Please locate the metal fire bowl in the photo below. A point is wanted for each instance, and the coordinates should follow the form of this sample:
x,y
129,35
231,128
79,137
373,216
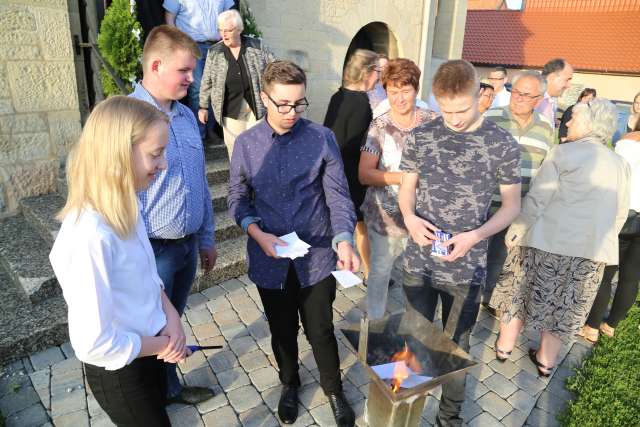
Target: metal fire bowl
x,y
440,357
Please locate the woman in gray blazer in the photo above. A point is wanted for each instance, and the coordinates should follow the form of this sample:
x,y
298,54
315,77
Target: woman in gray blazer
x,y
564,237
231,80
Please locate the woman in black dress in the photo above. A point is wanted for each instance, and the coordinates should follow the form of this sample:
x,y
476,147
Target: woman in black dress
x,y
349,117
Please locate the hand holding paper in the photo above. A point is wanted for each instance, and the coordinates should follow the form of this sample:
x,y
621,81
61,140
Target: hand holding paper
x,y
295,247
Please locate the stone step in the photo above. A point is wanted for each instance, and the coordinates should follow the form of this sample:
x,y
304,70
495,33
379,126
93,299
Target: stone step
x,y
24,255
219,193
40,212
27,328
231,263
217,171
215,152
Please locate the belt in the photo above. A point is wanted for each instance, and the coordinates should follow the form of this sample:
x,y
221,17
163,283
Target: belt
x,y
172,241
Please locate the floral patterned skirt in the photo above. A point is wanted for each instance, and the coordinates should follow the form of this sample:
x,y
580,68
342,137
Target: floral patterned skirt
x,y
549,292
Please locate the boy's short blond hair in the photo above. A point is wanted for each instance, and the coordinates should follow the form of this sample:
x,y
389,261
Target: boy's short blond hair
x,y
165,39
455,78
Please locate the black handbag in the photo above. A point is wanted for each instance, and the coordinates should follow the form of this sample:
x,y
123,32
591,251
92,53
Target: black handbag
x,y
631,227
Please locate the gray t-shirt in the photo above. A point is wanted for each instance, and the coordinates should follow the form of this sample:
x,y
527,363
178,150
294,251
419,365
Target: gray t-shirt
x,y
458,173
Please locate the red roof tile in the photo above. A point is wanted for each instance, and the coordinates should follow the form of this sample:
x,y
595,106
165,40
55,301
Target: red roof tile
x,y
590,41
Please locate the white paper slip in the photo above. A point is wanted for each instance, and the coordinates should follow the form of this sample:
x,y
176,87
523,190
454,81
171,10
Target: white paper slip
x,y
414,381
295,247
385,372
346,278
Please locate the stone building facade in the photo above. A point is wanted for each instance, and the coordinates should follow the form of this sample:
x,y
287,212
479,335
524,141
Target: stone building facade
x,y
39,111
319,34
43,84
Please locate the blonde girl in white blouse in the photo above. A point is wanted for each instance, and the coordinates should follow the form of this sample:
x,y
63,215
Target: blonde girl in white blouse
x,y
121,324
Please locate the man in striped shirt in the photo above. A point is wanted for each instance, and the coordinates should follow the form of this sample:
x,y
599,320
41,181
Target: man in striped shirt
x,y
534,133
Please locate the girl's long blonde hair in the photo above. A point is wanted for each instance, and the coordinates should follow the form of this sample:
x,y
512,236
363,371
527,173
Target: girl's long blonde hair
x,y
358,67
100,166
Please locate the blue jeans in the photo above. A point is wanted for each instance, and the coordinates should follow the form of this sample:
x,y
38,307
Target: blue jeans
x,y
193,93
384,252
177,262
423,298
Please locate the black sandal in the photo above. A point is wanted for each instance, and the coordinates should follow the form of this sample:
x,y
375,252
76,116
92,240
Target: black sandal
x,y
501,355
543,371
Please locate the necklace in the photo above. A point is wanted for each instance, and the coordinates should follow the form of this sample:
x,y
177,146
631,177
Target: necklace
x,y
411,121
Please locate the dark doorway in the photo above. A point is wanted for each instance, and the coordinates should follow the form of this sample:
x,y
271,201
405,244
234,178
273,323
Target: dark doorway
x,y
374,36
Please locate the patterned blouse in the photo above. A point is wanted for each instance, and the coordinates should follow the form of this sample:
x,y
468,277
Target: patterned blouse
x,y
386,140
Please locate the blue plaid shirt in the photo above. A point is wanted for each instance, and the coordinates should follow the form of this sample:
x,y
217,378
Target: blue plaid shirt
x,y
178,202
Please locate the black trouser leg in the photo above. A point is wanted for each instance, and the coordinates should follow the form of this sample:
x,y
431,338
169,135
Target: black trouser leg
x,y
628,279
316,309
133,395
627,289
281,309
423,297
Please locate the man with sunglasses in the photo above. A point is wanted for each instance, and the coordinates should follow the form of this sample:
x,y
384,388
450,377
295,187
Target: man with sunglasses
x,y
286,176
534,134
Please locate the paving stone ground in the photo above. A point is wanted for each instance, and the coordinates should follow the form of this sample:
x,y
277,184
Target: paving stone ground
x,y
48,388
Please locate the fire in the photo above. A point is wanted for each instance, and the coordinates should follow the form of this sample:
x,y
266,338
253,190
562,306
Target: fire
x,y
401,370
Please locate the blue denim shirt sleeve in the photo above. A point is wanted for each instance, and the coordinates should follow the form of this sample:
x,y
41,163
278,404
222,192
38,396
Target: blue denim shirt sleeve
x,y
247,221
342,237
239,198
341,210
171,6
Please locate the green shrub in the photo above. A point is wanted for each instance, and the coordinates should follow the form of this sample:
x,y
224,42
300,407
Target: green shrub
x,y
607,387
119,42
249,21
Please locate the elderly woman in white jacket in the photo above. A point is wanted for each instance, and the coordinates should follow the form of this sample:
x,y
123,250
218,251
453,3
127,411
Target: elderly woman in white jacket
x,y
564,237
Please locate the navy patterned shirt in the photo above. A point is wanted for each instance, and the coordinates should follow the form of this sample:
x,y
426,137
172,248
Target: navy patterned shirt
x,y
291,182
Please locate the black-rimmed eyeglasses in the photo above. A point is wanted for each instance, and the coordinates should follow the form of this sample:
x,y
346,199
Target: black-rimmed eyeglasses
x,y
527,96
299,107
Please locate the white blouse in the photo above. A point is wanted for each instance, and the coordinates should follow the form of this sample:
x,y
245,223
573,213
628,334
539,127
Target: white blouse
x,y
630,151
111,287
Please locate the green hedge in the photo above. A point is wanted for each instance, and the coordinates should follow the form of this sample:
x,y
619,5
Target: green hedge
x,y
607,387
119,42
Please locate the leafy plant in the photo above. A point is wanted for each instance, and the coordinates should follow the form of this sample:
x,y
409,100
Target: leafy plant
x,y
249,21
120,44
607,385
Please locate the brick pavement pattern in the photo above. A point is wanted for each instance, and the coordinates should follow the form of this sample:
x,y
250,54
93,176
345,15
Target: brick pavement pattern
x,y
48,388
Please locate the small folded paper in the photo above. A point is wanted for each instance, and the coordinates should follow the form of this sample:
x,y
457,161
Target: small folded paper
x,y
385,372
295,247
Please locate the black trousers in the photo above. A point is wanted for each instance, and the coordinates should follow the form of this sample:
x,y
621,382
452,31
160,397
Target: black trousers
x,y
627,289
131,396
314,305
423,297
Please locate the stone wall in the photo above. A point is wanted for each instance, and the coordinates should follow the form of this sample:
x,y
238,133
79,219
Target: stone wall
x,y
39,112
316,34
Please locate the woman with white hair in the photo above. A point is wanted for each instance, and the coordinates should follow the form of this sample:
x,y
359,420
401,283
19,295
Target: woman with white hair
x,y
231,80
564,237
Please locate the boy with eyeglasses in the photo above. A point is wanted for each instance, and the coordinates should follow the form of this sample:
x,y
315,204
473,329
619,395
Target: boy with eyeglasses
x,y
286,176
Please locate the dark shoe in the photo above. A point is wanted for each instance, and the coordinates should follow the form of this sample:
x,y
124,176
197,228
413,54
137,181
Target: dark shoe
x,y
501,355
344,415
543,371
192,395
288,405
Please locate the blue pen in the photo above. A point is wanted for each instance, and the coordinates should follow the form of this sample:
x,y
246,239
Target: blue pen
x,y
195,348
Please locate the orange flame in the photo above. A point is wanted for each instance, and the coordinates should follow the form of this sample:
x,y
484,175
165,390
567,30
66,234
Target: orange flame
x,y
401,370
